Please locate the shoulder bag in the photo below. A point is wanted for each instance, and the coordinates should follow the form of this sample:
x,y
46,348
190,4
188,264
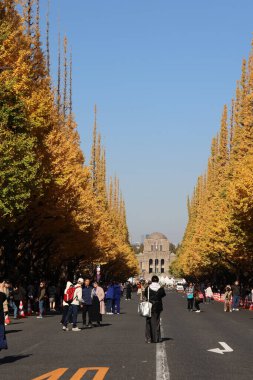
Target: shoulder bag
x,y
145,307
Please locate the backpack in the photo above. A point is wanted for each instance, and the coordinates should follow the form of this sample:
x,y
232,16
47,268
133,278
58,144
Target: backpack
x,y
69,295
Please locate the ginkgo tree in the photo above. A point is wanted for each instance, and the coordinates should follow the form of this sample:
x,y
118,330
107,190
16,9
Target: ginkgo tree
x,y
56,210
219,234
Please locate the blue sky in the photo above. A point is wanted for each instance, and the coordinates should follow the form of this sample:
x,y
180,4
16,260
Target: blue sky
x,y
160,72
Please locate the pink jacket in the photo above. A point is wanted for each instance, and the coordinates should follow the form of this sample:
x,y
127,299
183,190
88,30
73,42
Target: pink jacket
x,y
101,295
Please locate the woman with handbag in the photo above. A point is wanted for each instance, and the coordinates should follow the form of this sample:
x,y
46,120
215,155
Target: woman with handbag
x,y
154,294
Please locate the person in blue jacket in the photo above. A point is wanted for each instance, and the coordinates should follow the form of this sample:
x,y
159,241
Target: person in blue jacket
x,y
116,300
109,297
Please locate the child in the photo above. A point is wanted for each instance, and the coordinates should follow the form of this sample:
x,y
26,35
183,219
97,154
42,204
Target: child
x,y
228,298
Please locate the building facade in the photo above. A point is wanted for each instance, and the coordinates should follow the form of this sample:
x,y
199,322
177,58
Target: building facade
x,y
156,257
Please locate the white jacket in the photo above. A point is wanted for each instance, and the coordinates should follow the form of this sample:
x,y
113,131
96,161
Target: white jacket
x,y
209,292
78,295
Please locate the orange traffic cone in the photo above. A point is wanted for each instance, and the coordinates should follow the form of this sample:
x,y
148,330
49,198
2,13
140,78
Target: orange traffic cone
x,y
21,310
251,307
7,319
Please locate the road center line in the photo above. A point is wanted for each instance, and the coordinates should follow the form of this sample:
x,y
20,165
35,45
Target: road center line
x,y
162,368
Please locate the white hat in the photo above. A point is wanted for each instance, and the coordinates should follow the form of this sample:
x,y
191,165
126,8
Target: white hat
x,y
80,280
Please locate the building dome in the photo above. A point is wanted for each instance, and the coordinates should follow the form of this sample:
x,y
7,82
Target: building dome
x,y
157,236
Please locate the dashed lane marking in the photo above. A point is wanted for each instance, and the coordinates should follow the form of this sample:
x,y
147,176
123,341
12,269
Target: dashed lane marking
x,y
162,367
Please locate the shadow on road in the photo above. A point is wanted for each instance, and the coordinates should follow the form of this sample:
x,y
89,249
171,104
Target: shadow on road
x,y
166,339
96,327
16,323
12,359
12,331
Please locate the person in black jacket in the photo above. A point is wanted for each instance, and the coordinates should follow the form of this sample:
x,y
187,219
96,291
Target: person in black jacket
x,y
3,341
154,293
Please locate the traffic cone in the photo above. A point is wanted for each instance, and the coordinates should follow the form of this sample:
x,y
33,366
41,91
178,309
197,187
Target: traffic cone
x,y
21,310
251,307
7,319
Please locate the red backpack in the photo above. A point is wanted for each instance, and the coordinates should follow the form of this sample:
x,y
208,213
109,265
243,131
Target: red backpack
x,y
69,295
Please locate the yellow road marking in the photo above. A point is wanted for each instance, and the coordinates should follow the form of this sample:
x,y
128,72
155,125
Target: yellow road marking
x,y
58,373
54,375
100,373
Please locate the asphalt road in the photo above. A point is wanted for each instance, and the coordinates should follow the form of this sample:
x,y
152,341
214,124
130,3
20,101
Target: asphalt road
x,y
118,350
193,334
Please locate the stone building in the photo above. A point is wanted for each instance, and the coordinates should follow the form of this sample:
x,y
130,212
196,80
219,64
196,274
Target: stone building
x,y
156,257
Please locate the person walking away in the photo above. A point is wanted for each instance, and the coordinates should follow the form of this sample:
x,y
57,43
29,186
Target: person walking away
x,y
227,299
128,291
6,306
209,293
139,290
51,295
73,307
236,296
116,298
122,289
87,302
16,299
31,296
12,304
154,293
109,296
197,299
202,289
190,296
98,306
65,304
41,299
3,341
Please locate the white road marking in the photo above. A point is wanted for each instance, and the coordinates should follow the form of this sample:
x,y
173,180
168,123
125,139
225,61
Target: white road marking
x,y
162,368
219,351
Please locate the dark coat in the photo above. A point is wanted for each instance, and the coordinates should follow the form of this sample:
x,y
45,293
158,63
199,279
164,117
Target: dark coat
x,y
87,299
155,297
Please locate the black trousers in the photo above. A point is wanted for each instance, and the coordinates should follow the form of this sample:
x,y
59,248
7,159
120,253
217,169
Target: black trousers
x,y
64,313
87,309
190,303
153,332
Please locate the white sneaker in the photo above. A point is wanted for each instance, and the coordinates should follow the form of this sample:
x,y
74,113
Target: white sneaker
x,y
65,328
76,329
197,311
39,317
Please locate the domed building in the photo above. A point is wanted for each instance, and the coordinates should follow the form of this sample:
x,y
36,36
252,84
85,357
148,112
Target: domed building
x,y
156,257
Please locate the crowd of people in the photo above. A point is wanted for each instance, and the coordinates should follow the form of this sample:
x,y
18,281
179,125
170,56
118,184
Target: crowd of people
x,y
94,301
43,297
204,293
